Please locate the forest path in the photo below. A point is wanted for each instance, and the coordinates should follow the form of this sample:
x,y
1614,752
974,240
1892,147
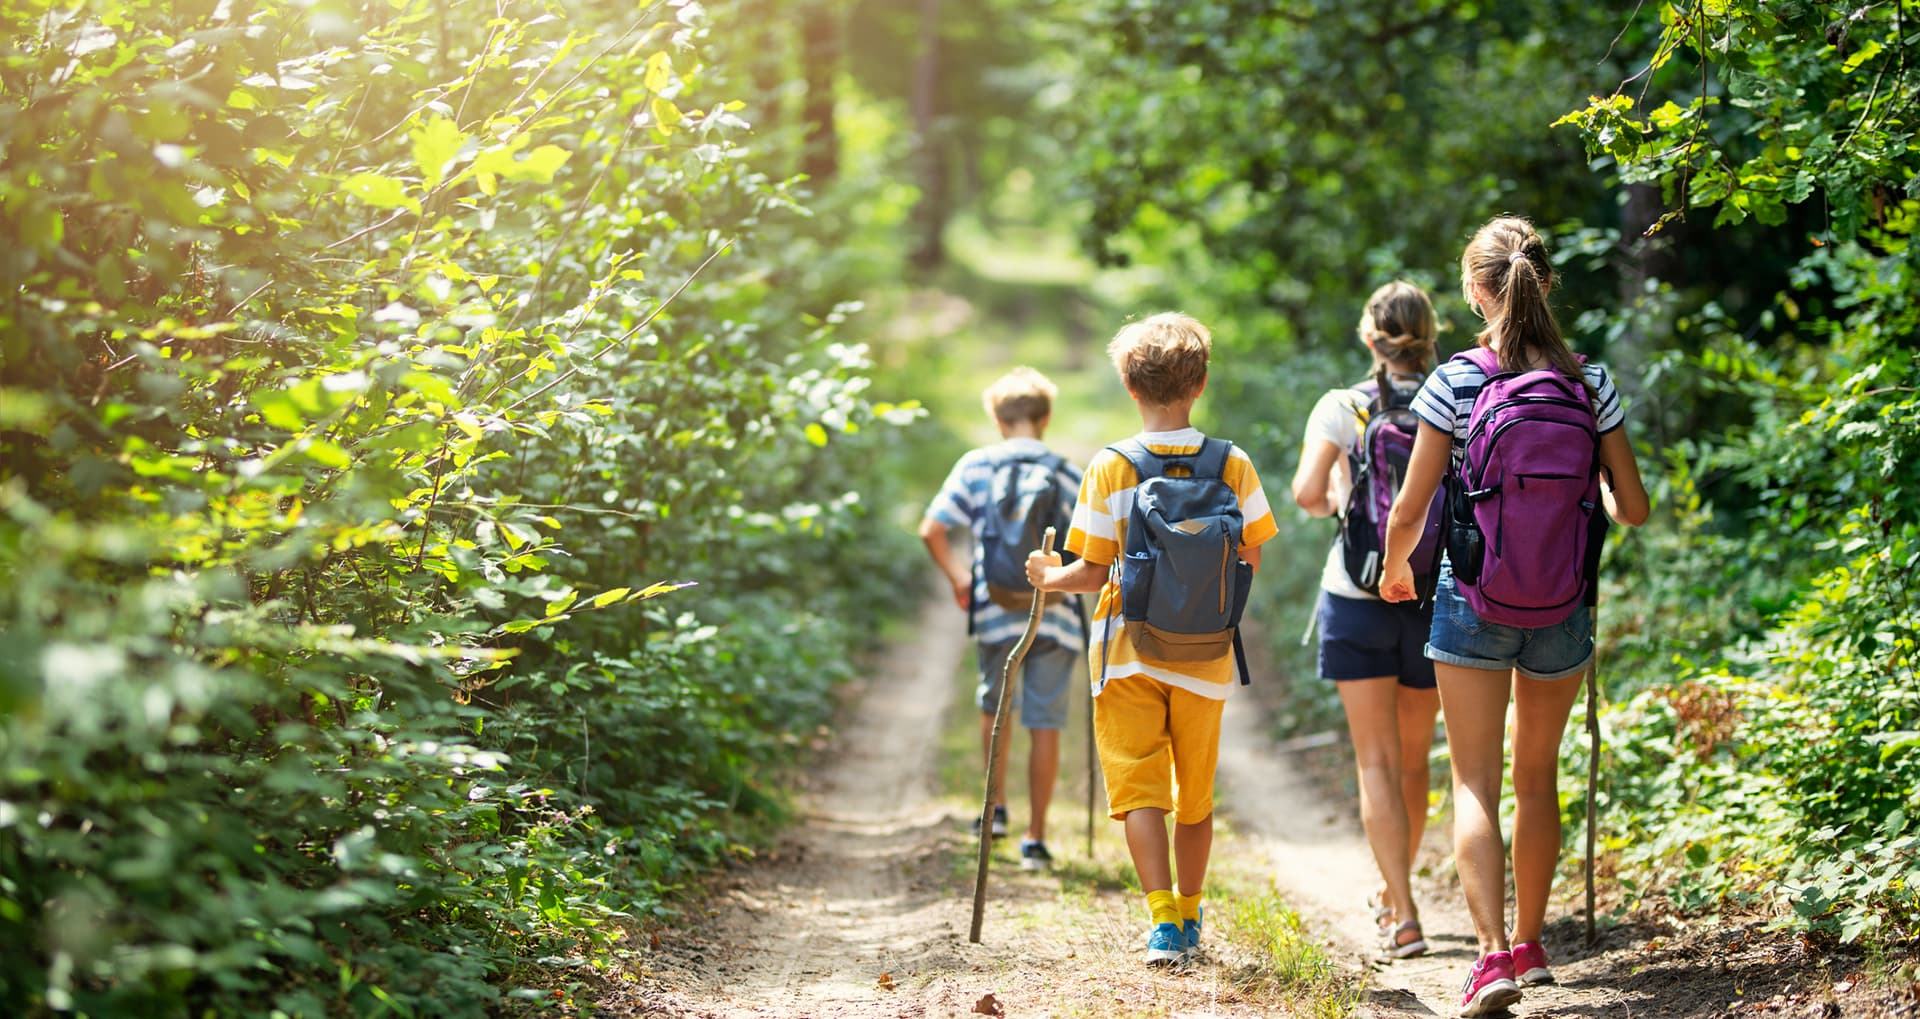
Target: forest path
x,y
862,908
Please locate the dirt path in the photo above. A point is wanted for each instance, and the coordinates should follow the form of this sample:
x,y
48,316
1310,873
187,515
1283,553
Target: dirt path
x,y
862,910
853,893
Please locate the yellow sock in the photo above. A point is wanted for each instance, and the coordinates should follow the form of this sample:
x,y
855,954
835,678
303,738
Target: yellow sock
x,y
1189,904
1161,904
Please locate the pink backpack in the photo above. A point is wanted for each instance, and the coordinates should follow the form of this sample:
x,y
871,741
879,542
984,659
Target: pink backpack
x,y
1525,523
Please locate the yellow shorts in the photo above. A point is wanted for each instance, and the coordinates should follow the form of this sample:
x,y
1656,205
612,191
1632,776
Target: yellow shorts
x,y
1158,747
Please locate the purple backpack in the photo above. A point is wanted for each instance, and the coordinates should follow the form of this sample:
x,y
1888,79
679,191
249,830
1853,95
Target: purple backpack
x,y
1524,524
1378,466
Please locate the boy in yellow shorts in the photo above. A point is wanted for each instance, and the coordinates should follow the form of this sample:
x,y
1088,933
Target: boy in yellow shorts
x,y
1157,702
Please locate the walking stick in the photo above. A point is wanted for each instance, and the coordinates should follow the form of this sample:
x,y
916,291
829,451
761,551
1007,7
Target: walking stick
x,y
1014,658
1593,769
1093,772
1596,547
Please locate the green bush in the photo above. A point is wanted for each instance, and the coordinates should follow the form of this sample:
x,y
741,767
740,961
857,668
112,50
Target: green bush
x,y
374,380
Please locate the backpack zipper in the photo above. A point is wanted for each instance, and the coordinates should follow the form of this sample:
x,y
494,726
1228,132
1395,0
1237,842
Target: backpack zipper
x,y
1226,563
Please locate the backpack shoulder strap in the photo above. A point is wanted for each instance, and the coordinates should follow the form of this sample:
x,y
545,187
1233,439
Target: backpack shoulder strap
x,y
1146,463
1211,461
1482,358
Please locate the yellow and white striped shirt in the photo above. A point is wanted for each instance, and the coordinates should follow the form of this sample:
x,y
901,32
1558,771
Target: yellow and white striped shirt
x,y
1099,536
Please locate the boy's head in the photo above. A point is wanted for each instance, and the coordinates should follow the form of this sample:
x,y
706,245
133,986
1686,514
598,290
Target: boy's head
x,y
1020,400
1162,358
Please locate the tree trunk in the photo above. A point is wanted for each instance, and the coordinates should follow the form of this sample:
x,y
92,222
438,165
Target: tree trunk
x,y
930,215
820,62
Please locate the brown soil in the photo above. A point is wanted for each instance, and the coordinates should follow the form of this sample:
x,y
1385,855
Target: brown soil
x,y
863,908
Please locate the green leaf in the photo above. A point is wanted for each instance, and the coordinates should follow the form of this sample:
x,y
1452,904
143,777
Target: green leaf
x,y
538,166
327,454
655,590
605,598
816,434
1860,56
435,144
379,192
659,72
666,116
278,409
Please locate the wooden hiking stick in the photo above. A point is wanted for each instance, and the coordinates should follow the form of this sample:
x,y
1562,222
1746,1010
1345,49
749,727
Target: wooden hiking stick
x,y
1093,772
1593,766
1014,658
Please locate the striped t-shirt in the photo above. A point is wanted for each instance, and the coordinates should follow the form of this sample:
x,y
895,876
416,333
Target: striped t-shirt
x,y
1099,535
962,502
1445,401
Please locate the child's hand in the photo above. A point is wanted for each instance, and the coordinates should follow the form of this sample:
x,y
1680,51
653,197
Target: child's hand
x,y
962,592
1396,584
1038,563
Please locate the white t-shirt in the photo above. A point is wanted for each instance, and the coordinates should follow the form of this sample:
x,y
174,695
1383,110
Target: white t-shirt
x,y
1336,419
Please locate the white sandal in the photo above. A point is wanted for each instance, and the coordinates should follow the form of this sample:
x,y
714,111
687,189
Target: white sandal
x,y
1391,946
1381,911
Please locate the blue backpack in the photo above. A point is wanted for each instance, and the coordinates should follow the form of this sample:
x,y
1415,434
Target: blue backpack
x,y
1023,500
1183,584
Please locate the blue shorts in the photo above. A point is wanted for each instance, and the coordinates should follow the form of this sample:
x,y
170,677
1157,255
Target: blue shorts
x,y
1361,638
1045,677
1538,652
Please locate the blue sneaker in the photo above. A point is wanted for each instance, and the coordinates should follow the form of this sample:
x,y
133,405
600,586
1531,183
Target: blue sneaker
x,y
1166,945
1192,931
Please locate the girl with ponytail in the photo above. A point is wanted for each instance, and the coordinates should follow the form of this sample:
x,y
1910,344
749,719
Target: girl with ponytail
x,y
1370,649
1479,663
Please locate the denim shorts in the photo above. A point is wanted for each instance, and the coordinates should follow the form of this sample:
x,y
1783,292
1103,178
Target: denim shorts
x,y
1539,652
1361,638
1046,675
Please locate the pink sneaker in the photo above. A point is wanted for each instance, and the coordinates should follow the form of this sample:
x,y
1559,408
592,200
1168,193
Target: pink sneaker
x,y
1490,988
1530,961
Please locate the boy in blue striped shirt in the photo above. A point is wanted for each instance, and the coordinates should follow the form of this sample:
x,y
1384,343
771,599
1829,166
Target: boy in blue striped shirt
x,y
1021,405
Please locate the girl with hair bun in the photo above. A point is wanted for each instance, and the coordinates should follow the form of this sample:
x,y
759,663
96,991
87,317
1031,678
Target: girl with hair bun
x,y
1372,650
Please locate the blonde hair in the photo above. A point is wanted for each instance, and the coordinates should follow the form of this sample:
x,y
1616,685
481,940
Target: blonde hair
x,y
1508,260
1162,358
1021,395
1399,326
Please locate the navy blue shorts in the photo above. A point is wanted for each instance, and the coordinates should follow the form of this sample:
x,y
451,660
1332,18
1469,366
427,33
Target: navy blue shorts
x,y
1367,639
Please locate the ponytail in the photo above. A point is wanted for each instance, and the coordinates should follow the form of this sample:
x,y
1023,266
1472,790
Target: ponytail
x,y
1507,259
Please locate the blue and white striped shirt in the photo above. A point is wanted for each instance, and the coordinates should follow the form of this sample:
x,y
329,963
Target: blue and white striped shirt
x,y
1445,400
962,502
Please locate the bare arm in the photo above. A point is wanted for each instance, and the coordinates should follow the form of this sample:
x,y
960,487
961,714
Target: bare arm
x,y
1312,482
934,534
1621,488
1432,448
1045,573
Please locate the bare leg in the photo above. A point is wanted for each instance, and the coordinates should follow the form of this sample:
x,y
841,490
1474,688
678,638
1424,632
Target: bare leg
x,y
1475,703
1540,708
1043,766
1147,844
1373,722
1192,846
1418,709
